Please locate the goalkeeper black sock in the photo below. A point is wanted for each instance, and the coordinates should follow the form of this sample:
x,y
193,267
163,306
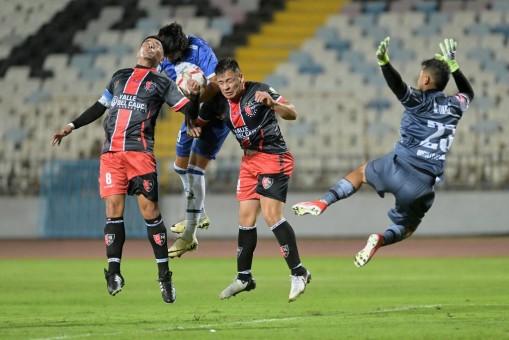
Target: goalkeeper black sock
x,y
157,236
246,245
114,237
288,244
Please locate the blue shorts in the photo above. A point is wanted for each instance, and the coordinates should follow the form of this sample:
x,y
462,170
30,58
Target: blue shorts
x,y
413,189
208,145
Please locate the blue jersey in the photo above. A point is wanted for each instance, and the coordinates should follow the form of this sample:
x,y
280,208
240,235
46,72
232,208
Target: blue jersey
x,y
198,53
428,126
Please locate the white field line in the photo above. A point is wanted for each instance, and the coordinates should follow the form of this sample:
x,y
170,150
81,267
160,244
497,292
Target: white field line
x,y
214,327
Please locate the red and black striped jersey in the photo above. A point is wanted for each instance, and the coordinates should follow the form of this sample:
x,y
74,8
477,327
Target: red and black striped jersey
x,y
254,125
134,97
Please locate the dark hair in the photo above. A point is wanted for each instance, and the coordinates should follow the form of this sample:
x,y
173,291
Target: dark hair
x,y
227,64
439,72
165,48
175,39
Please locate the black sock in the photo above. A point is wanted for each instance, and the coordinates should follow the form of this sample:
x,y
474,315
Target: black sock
x,y
114,238
246,244
286,238
157,236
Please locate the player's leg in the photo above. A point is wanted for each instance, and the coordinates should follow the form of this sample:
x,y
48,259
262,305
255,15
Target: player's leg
x,y
143,183
274,173
344,188
114,238
203,150
157,236
414,195
113,185
246,245
272,210
183,150
195,214
249,209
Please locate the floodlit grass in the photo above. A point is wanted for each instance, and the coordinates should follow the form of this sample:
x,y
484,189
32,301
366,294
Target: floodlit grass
x,y
390,298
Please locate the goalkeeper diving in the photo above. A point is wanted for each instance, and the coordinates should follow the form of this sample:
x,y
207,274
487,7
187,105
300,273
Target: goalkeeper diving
x,y
417,161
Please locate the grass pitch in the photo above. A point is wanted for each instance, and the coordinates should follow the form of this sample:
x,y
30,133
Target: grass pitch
x,y
440,298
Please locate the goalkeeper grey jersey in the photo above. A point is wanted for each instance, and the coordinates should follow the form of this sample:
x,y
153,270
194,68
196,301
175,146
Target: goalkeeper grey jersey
x,y
428,126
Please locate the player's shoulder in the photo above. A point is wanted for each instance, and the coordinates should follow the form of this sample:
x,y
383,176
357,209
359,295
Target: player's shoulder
x,y
160,77
256,86
196,42
123,71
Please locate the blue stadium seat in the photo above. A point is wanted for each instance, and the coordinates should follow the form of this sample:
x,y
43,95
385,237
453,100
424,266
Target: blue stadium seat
x,y
374,7
426,6
277,81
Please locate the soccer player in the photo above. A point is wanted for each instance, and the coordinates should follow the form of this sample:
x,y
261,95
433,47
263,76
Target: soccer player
x,y
134,97
412,168
193,155
250,111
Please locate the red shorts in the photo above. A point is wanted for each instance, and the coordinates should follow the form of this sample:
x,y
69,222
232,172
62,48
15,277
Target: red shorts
x,y
118,168
264,174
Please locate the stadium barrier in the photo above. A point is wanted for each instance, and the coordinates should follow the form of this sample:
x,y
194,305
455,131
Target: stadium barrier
x,y
70,205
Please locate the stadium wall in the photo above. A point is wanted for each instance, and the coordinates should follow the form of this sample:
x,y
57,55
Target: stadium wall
x,y
470,213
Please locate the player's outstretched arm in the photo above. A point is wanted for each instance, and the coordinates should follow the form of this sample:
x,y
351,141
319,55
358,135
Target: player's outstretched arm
x,y
392,77
91,114
448,49
382,53
58,136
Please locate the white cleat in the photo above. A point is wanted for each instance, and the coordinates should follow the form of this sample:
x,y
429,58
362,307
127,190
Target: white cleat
x,y
314,208
236,287
182,246
375,241
298,285
179,227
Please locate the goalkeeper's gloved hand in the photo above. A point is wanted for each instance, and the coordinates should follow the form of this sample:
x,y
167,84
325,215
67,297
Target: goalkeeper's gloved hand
x,y
448,48
381,52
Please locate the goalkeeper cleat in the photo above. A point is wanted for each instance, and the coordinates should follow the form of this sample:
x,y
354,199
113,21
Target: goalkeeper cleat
x,y
179,227
167,288
238,286
114,282
298,285
181,246
375,241
313,208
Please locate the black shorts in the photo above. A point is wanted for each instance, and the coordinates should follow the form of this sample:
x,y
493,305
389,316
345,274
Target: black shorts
x,y
145,185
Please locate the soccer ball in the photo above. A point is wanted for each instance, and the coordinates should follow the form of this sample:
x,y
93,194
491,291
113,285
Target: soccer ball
x,y
190,72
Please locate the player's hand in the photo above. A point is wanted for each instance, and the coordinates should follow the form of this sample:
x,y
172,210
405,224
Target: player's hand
x,y
192,130
57,137
193,86
264,98
382,52
448,48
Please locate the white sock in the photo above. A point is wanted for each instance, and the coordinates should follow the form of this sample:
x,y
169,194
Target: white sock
x,y
183,177
195,205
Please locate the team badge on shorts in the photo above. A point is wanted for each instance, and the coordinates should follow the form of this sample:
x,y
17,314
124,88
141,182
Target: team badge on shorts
x,y
285,250
109,238
267,182
160,239
148,185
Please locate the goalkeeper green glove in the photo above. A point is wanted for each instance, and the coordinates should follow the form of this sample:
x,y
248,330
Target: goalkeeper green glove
x,y
381,52
448,48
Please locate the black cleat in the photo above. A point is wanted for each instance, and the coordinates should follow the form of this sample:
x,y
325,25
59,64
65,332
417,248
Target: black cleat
x,y
114,282
167,288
